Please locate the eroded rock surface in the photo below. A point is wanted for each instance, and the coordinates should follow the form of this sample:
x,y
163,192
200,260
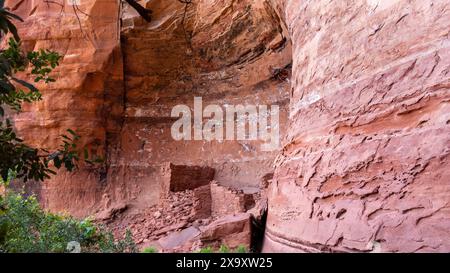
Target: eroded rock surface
x,y
121,76
228,53
365,166
85,97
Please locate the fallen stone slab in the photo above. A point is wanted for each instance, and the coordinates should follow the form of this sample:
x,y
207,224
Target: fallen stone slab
x,y
111,213
171,228
179,238
231,231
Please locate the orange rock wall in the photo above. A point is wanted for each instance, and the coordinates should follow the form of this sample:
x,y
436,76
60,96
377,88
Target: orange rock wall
x,y
86,96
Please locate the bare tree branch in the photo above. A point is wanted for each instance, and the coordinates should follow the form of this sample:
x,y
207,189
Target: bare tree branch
x,y
143,12
186,35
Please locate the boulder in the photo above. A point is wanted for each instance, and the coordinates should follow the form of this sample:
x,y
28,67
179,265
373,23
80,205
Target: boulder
x,y
110,213
231,231
179,238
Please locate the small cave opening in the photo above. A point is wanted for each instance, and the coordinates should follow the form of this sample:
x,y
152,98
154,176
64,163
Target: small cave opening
x,y
259,228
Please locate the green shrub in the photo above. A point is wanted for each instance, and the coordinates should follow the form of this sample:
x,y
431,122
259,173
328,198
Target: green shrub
x,y
26,227
108,244
241,249
206,250
224,249
150,249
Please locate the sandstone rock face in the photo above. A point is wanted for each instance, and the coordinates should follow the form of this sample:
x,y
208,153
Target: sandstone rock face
x,y
365,165
117,85
365,159
85,96
222,51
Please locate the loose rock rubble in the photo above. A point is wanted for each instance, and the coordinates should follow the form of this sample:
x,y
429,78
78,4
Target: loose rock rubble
x,y
186,221
155,222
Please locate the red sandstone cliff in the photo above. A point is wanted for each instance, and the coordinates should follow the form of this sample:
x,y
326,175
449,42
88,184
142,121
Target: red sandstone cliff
x,y
86,96
364,164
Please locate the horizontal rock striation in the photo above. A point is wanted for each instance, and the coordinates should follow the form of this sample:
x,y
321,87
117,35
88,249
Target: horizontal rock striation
x,y
86,96
228,53
121,76
365,166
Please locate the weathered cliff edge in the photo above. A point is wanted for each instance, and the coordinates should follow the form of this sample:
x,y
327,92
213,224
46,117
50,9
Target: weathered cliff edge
x,y
365,166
